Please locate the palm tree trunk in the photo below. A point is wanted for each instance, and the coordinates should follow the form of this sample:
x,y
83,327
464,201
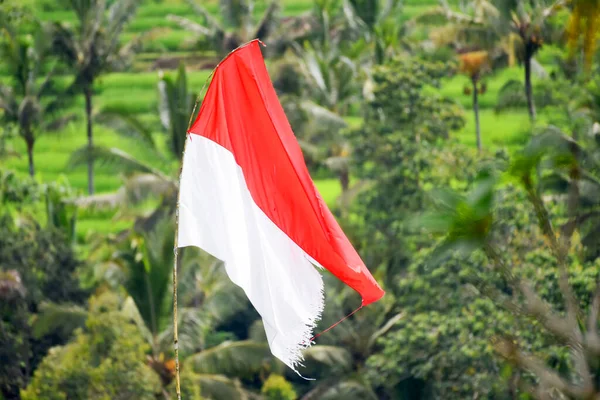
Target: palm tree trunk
x,y
528,88
344,177
476,111
30,156
88,112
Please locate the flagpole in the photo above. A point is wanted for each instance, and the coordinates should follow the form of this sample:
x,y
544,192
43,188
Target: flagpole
x,y
176,247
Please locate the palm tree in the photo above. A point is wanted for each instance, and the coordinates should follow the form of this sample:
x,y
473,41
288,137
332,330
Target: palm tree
x,y
506,25
472,64
236,26
376,22
331,85
176,104
93,47
28,104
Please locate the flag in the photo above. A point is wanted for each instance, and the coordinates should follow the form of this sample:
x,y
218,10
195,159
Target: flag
x,y
246,197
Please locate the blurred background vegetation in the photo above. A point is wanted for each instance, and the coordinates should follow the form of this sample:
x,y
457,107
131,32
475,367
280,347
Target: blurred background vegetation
x,y
456,141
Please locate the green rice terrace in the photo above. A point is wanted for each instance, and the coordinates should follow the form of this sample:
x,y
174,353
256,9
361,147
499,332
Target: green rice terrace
x,y
135,92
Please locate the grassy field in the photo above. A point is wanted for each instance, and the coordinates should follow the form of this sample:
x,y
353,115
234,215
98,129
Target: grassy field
x,y
136,93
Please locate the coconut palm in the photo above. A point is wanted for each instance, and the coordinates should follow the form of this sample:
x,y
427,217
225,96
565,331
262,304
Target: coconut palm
x,y
176,104
376,22
29,103
513,27
92,47
236,26
472,64
331,85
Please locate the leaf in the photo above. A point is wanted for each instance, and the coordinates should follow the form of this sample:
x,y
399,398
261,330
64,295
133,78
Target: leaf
x,y
230,358
215,386
349,390
189,25
385,328
511,95
331,356
268,22
112,158
323,118
131,311
61,318
127,125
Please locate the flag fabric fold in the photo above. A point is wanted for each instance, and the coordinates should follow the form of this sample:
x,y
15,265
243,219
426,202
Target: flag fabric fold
x,y
246,197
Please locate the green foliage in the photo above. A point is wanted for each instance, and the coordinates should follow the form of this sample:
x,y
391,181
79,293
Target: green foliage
x,y
190,385
394,149
104,361
454,306
45,261
277,388
14,328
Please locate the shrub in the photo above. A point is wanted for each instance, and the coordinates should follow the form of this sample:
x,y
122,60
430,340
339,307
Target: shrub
x,y
277,388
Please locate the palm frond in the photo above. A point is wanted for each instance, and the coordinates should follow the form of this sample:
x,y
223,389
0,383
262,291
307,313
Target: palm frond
x,y
213,24
113,158
64,43
256,332
236,13
214,386
58,318
230,358
127,125
331,356
309,149
101,201
131,311
349,390
119,14
338,163
59,123
511,95
141,187
347,197
190,25
322,117
149,270
269,21
382,331
193,328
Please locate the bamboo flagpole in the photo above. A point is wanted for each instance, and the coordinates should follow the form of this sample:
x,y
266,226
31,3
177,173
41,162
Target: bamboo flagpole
x,y
176,251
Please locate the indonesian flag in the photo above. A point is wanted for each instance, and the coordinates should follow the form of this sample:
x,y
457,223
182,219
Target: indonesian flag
x,y
246,197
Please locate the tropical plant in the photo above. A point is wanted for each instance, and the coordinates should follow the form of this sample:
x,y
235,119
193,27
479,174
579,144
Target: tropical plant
x,y
331,88
471,223
511,26
473,64
105,360
142,265
341,354
277,388
175,107
28,104
377,23
236,26
91,48
13,325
